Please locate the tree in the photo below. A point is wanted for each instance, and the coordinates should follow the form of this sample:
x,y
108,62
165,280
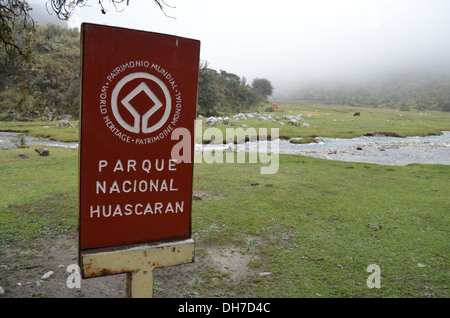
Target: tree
x,y
65,8
208,90
262,87
223,92
17,26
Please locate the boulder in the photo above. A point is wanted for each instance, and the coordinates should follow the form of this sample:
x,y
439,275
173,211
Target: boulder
x,y
299,117
240,116
293,122
253,115
212,121
266,118
227,121
65,123
232,148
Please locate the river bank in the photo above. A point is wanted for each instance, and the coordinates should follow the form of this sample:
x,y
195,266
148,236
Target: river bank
x,y
370,149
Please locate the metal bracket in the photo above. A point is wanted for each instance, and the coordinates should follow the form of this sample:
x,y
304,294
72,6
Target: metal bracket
x,y
137,261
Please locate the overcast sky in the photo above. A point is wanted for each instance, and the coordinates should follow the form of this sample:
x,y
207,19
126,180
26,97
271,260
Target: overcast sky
x,y
288,41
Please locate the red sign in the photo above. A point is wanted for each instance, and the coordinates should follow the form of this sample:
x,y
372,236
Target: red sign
x,y
138,90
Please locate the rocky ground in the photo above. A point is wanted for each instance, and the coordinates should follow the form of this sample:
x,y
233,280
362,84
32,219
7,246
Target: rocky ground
x,y
23,271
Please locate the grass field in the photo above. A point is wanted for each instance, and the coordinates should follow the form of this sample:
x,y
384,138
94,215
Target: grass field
x,y
321,223
314,227
326,121
339,122
43,129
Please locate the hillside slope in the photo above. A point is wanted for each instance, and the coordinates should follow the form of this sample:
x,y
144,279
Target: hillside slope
x,y
49,86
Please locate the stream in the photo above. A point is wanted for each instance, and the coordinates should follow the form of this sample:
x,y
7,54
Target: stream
x,y
375,149
9,140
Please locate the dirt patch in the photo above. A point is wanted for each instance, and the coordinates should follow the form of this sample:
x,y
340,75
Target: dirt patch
x,y
213,273
203,195
22,270
214,269
231,262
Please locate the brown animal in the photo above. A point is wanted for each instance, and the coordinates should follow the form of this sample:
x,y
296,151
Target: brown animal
x,y
357,114
274,106
42,152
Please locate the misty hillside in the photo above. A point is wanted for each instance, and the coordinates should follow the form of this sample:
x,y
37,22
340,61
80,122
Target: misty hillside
x,y
50,85
409,90
49,88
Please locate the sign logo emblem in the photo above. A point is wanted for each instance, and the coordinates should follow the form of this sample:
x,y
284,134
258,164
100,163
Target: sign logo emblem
x,y
140,106
140,122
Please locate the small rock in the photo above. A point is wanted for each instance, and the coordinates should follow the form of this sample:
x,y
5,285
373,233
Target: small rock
x,y
2,291
232,148
293,122
47,275
255,184
420,265
65,123
265,273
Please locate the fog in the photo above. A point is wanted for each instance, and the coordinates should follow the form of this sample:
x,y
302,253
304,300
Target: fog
x,y
42,16
297,42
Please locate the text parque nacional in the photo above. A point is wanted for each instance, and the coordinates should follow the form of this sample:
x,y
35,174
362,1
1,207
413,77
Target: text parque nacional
x,y
103,187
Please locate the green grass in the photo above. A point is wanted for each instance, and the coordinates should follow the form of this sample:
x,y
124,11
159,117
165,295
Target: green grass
x,y
321,223
316,228
38,195
44,129
339,122
326,121
315,225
